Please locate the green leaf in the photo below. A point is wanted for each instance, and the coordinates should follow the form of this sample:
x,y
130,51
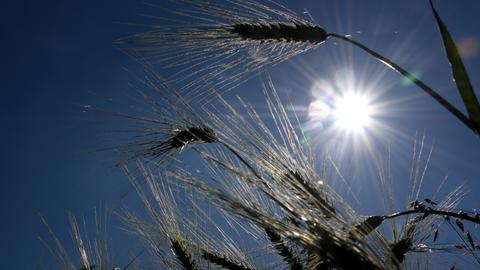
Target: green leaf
x,y
459,72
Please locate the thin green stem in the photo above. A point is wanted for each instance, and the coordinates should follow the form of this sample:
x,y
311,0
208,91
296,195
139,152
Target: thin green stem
x,y
462,216
447,105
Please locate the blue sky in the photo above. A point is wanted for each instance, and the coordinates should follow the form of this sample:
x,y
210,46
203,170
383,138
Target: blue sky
x,y
58,57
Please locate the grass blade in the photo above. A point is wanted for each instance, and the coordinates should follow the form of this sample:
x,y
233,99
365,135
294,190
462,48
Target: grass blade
x,y
475,127
459,72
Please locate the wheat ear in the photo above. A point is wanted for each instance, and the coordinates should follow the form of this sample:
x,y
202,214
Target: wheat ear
x,y
280,32
223,261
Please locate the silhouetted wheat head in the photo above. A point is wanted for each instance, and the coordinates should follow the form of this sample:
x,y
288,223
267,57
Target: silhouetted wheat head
x,y
92,251
221,43
168,129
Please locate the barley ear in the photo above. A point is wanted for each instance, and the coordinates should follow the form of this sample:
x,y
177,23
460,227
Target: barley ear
x,y
283,250
182,255
280,32
223,261
367,226
399,249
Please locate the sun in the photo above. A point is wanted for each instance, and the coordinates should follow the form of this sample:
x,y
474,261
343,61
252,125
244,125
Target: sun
x,y
352,112
346,106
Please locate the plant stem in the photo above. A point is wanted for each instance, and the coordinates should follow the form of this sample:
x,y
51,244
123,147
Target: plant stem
x,y
447,105
430,211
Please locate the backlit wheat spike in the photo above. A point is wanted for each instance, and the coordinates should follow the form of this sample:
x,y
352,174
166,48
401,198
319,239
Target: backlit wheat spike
x,y
174,235
220,44
176,142
283,249
280,32
93,253
222,261
172,126
182,255
418,229
163,233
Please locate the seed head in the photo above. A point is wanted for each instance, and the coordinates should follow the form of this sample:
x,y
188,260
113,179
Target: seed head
x,y
193,134
369,224
182,255
169,127
175,142
280,32
400,249
222,43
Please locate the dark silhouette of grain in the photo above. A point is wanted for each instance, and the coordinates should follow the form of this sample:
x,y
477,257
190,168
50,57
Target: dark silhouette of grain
x,y
182,255
223,261
191,134
280,32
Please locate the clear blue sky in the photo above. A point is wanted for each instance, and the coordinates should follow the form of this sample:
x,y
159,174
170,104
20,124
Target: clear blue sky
x,y
57,57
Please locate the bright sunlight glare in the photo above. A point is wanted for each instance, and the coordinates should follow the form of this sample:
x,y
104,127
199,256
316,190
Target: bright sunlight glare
x,y
352,112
